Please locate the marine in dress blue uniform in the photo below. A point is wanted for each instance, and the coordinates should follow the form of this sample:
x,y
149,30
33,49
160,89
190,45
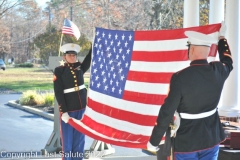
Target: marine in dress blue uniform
x,y
71,96
194,93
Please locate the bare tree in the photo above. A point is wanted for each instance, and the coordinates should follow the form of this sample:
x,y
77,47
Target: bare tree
x,y
4,37
24,22
6,5
164,14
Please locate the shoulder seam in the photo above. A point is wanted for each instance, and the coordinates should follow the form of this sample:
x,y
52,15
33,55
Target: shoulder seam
x,y
182,70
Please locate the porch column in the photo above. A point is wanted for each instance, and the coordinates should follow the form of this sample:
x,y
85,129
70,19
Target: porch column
x,y
229,105
216,11
191,13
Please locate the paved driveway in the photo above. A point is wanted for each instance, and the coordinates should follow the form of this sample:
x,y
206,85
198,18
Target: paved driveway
x,y
21,131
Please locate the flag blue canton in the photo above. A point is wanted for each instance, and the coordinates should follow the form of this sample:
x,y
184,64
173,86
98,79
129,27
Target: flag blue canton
x,y
66,23
112,52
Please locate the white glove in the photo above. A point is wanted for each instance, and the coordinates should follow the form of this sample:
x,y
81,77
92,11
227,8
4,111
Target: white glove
x,y
222,31
177,122
65,117
152,148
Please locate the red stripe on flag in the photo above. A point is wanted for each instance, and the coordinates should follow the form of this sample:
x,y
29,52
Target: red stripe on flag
x,y
119,114
164,56
113,142
149,77
213,50
144,98
113,132
158,35
67,31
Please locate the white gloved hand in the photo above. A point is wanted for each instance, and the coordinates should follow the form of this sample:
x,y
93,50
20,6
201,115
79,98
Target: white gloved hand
x,y
177,121
222,31
65,117
152,148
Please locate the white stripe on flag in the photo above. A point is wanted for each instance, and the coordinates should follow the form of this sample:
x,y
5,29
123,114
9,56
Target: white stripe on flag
x,y
129,106
163,45
169,67
97,133
210,59
121,125
149,88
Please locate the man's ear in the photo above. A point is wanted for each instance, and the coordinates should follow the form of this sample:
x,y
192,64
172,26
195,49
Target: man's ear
x,y
192,50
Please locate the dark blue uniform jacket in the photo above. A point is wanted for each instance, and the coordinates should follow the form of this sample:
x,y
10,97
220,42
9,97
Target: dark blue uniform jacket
x,y
70,76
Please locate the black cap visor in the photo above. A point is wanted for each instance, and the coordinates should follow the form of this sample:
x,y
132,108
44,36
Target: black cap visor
x,y
70,52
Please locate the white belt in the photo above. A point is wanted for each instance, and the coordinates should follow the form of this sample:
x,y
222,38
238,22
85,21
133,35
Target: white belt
x,y
197,116
74,89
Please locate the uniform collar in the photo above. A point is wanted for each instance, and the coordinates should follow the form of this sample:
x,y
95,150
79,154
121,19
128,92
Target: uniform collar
x,y
199,62
71,64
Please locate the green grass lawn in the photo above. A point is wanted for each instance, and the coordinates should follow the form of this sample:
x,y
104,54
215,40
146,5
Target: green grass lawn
x,y
23,79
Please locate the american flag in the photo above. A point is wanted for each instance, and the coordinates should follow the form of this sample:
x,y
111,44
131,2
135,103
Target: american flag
x,y
70,28
130,75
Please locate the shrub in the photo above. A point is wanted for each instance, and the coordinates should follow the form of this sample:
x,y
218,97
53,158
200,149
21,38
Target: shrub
x,y
31,98
26,65
49,99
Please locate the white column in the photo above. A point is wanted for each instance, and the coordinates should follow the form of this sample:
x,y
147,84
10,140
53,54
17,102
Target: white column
x,y
229,100
216,14
216,11
191,13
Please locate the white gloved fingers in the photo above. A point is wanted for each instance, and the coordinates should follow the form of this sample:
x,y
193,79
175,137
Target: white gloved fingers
x,y
65,117
152,148
223,29
177,121
162,142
